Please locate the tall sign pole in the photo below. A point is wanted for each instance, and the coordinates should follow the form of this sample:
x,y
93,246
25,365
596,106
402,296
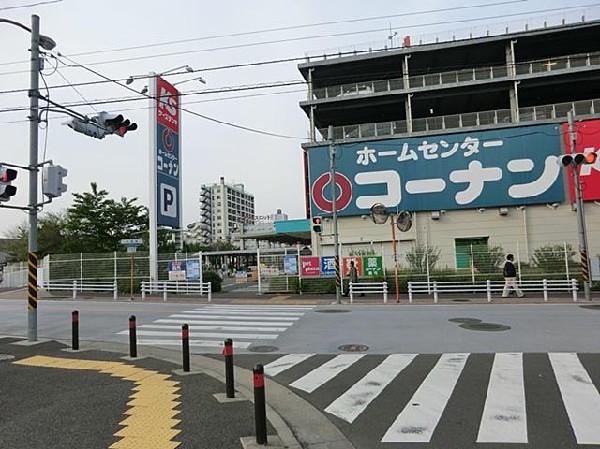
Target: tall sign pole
x,y
583,248
165,162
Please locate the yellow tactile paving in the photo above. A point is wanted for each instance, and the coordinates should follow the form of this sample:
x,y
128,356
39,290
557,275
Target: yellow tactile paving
x,y
150,420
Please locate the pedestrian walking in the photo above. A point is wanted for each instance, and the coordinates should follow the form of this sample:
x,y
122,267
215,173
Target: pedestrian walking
x,y
353,276
510,277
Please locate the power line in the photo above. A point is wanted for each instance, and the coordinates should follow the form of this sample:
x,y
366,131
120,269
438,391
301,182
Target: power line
x,y
30,5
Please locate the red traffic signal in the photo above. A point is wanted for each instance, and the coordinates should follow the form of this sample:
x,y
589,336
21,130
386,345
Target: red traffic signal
x,y
6,189
578,159
317,224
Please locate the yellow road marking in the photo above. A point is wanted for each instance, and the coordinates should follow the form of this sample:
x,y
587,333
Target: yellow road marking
x,y
150,420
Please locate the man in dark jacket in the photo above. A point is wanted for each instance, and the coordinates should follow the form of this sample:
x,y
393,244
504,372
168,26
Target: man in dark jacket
x,y
510,277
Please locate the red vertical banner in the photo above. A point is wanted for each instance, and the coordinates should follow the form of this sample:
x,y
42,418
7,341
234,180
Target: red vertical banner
x,y
587,141
358,263
167,111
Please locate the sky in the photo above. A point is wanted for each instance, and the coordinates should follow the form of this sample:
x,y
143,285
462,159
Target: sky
x,y
223,42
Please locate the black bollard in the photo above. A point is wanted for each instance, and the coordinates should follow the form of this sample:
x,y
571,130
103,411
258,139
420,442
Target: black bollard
x,y
132,337
228,353
185,343
75,330
260,411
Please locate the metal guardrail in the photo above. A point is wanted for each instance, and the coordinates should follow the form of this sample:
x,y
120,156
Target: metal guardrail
x,y
176,287
544,285
81,286
368,287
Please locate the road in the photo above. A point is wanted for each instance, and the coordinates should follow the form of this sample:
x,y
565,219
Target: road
x,y
389,376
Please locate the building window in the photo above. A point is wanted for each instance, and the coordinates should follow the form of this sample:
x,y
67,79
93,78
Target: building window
x,y
466,248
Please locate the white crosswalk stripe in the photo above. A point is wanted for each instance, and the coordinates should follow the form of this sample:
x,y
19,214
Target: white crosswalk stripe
x,y
211,324
503,420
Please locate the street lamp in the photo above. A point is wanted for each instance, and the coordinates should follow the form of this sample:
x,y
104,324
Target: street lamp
x,y
37,41
402,221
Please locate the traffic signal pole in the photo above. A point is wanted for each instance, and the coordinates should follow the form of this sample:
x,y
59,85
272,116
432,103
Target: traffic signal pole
x,y
32,286
583,247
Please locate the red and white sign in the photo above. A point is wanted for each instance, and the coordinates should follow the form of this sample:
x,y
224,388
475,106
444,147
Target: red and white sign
x,y
587,141
310,266
358,263
167,111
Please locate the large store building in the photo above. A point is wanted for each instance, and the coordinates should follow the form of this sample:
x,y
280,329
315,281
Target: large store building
x,y
467,135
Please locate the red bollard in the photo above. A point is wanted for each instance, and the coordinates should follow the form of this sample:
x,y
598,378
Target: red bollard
x,y
185,343
75,330
132,337
228,353
260,411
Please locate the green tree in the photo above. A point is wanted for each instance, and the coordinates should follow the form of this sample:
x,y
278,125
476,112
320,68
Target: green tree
x,y
96,223
487,259
51,236
423,256
551,258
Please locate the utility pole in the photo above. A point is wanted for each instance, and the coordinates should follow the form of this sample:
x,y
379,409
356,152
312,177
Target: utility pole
x,y
334,212
583,248
32,285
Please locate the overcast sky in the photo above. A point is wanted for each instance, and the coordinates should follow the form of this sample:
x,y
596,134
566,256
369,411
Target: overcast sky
x,y
119,39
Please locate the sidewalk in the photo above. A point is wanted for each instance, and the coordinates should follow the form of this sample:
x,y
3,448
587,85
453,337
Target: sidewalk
x,y
55,397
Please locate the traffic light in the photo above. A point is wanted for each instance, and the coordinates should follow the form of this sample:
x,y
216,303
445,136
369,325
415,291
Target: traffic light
x,y
6,189
52,181
115,124
578,159
103,124
317,224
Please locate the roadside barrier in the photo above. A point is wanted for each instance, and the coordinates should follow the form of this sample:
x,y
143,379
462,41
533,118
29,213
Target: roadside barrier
x,y
81,286
185,346
260,410
368,287
176,287
132,337
75,330
229,382
545,286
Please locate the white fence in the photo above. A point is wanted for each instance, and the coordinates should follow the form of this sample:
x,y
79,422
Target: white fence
x,y
177,288
81,286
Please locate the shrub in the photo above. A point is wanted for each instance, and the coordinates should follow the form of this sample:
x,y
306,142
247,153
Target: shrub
x,y
214,279
422,256
551,258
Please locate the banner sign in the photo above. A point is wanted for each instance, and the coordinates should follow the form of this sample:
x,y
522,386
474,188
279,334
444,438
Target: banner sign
x,y
493,168
372,265
290,265
167,152
310,266
358,263
177,271
587,141
327,265
192,270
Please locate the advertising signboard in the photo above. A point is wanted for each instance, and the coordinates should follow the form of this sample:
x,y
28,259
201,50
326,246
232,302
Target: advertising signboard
x,y
372,265
499,167
587,141
192,270
290,264
167,155
358,263
177,271
327,265
310,266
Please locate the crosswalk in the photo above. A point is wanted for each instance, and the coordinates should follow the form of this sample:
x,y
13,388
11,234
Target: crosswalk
x,y
506,388
210,325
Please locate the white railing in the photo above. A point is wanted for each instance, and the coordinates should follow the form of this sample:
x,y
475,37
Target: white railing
x,y
81,286
177,288
545,286
368,287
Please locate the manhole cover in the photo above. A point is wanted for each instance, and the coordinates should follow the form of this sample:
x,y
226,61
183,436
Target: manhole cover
x,y
332,310
464,320
264,348
461,300
5,357
593,307
353,348
489,327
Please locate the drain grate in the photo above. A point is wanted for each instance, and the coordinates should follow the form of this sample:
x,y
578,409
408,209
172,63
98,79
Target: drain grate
x,y
487,327
461,300
353,348
332,310
263,348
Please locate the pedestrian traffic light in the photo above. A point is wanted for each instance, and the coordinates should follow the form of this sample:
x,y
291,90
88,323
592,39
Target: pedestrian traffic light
x,y
6,189
52,181
578,159
317,224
